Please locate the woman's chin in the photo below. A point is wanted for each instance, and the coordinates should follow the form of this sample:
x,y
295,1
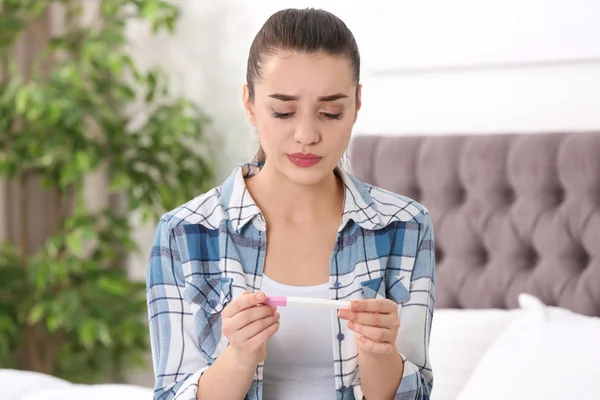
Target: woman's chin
x,y
308,175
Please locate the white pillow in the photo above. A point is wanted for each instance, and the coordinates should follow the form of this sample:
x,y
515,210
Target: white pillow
x,y
16,384
459,339
27,385
93,392
546,353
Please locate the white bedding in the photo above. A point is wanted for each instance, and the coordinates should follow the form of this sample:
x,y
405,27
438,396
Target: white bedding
x,y
547,353
26,385
535,352
459,339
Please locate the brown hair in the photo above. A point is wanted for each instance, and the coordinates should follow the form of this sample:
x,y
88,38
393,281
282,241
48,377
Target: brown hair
x,y
307,31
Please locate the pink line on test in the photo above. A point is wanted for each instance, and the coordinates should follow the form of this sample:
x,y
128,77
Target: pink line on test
x,y
277,301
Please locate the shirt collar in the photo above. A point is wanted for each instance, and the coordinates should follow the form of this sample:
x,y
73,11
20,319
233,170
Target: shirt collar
x,y
242,209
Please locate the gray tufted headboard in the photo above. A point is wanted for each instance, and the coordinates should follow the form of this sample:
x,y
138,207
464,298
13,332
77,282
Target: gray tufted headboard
x,y
511,213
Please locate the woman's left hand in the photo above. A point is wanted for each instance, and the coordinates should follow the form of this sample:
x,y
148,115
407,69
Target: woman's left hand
x,y
376,323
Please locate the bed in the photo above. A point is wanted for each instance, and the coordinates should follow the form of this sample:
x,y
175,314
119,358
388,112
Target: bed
x,y
517,228
29,385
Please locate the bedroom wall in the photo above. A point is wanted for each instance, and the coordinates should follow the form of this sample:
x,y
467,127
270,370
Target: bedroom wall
x,y
438,67
532,98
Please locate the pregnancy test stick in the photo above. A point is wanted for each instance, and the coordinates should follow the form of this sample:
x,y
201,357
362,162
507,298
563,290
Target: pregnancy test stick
x,y
286,301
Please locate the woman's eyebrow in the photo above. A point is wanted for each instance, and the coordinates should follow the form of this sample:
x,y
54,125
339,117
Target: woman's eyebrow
x,y
287,97
333,97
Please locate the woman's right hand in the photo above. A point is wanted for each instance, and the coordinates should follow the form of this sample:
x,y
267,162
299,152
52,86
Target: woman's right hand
x,y
248,324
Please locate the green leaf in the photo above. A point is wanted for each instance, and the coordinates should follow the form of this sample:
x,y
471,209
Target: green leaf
x,y
11,22
109,8
152,80
149,10
37,8
87,333
36,314
53,323
166,193
40,281
21,100
83,161
74,244
112,286
119,181
8,251
104,335
7,325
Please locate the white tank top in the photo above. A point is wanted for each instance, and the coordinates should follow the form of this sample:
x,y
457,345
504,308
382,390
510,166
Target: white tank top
x,y
299,363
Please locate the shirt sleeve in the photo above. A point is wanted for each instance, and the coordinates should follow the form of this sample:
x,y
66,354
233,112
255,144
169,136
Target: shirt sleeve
x,y
177,360
416,316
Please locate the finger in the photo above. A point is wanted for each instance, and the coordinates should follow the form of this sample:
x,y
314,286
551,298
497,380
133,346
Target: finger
x,y
372,319
243,302
249,315
253,329
371,346
261,338
383,306
374,333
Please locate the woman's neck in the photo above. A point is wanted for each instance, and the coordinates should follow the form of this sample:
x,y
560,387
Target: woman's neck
x,y
278,197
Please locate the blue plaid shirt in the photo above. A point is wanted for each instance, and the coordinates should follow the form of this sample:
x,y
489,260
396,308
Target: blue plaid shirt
x,y
212,249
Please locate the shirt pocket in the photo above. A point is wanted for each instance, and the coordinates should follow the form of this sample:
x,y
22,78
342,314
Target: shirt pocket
x,y
210,294
382,288
208,297
373,288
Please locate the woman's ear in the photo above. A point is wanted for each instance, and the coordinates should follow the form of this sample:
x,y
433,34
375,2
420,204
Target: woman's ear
x,y
358,101
248,105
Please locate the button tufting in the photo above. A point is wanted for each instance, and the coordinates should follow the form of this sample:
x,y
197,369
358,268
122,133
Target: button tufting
x,y
461,195
584,259
484,257
416,193
438,254
560,195
531,257
509,196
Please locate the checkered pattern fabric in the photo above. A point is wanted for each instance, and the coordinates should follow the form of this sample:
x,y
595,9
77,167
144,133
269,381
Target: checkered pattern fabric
x,y
212,249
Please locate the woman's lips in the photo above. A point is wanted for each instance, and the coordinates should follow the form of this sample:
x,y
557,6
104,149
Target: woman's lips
x,y
304,159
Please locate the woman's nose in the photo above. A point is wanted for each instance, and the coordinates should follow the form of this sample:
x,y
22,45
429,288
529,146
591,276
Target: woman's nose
x,y
307,132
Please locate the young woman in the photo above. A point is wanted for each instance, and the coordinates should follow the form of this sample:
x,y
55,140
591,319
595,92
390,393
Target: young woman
x,y
294,223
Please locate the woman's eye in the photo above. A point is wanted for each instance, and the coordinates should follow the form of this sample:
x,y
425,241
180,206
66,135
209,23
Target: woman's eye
x,y
291,114
332,116
282,115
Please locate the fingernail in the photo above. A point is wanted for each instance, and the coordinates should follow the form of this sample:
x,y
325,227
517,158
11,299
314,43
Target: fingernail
x,y
351,325
354,306
274,308
277,315
261,296
343,314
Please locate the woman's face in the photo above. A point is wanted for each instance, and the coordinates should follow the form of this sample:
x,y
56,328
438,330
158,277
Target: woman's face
x,y
304,108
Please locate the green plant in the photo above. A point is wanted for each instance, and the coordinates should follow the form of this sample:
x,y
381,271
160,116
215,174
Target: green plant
x,y
67,308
